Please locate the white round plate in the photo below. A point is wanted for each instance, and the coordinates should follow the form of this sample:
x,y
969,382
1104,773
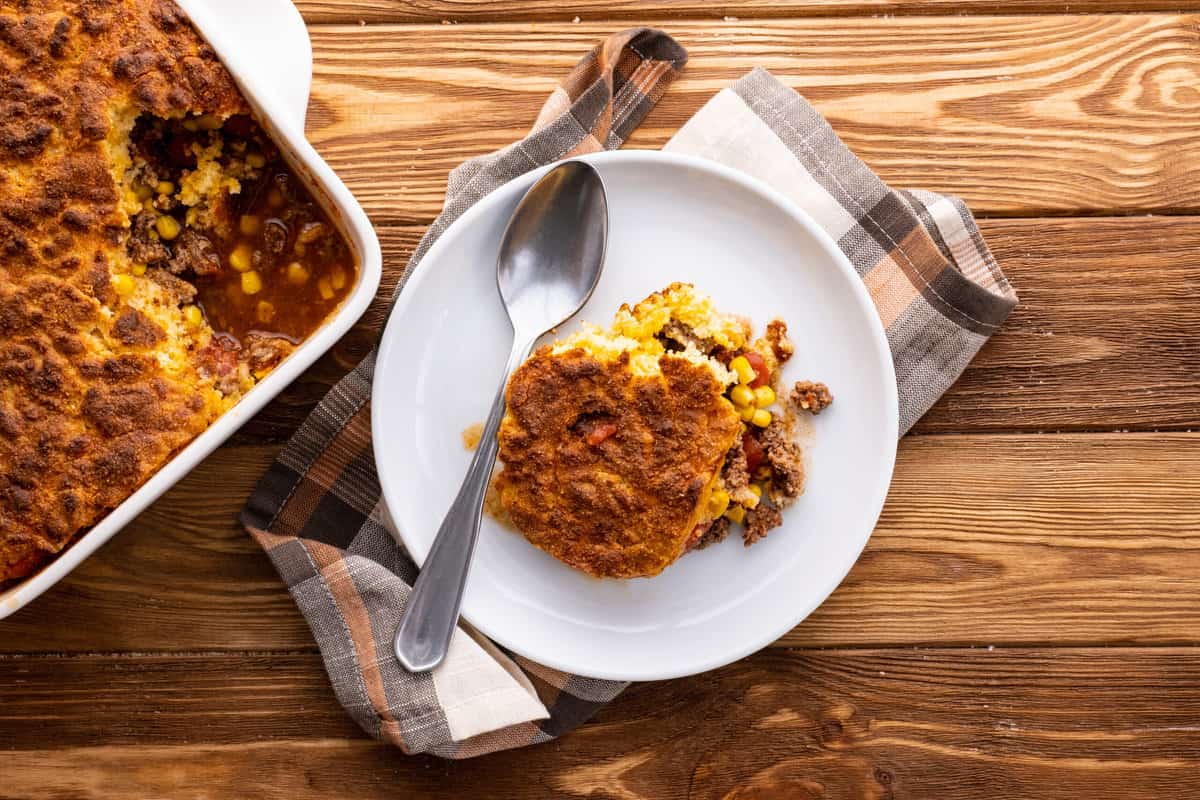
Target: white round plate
x,y
672,218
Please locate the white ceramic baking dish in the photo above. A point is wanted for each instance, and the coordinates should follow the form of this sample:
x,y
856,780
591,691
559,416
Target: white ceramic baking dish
x,y
265,45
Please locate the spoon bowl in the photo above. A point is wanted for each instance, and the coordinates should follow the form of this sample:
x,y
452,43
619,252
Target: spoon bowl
x,y
550,261
553,248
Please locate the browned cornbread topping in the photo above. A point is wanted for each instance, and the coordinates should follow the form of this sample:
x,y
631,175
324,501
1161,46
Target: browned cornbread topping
x,y
624,449
607,470
156,258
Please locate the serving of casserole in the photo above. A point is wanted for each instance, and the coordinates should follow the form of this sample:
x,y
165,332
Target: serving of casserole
x,y
172,253
625,448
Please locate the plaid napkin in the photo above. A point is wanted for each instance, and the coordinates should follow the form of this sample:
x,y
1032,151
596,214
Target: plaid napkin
x,y
318,512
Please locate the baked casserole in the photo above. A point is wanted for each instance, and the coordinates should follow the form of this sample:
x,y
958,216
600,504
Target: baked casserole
x,y
158,257
625,448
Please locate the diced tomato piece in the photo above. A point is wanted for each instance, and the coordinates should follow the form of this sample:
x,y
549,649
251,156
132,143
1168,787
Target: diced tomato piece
x,y
760,369
754,452
218,357
600,432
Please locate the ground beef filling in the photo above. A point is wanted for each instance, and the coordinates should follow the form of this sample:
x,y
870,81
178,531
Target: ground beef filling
x,y
144,246
193,254
811,396
760,521
764,471
786,461
715,533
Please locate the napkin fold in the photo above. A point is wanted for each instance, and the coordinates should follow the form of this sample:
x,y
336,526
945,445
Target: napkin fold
x,y
318,512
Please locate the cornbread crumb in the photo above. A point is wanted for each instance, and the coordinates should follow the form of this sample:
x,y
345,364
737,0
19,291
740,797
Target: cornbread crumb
x,y
638,333
471,435
211,180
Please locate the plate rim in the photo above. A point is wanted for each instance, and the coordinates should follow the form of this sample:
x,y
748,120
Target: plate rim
x,y
420,272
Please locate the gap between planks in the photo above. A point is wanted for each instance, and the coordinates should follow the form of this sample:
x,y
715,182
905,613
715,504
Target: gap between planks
x,y
782,644
374,12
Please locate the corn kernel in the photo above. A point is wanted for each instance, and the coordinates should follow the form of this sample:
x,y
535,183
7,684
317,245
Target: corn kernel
x,y
193,316
143,192
138,269
718,503
745,372
264,311
742,395
190,125
736,514
256,160
249,224
338,278
762,417
242,257
208,122
754,487
122,285
275,198
167,227
297,274
165,187
325,289
764,396
251,282
747,413
762,473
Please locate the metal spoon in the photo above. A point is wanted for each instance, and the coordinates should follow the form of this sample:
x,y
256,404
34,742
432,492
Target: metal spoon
x,y
550,261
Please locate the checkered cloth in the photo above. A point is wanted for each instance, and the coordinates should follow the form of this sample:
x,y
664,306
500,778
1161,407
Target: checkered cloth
x,y
318,511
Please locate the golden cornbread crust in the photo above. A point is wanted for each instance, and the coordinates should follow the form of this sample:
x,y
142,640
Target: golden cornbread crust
x,y
628,505
88,407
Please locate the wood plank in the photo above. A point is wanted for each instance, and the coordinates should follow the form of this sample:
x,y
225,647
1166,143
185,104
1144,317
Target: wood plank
x,y
1022,116
1104,339
1095,723
990,539
375,11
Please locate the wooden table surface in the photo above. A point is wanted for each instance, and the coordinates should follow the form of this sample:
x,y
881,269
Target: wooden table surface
x,y
1026,619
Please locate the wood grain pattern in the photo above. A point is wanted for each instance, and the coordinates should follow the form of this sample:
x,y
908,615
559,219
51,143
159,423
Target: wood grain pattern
x,y
327,11
947,724
1021,116
1107,336
959,658
984,540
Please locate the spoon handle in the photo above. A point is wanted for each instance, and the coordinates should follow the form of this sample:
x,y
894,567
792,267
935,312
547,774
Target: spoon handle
x,y
431,615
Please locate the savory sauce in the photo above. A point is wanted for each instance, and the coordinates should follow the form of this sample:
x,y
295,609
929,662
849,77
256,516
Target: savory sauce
x,y
223,211
287,266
